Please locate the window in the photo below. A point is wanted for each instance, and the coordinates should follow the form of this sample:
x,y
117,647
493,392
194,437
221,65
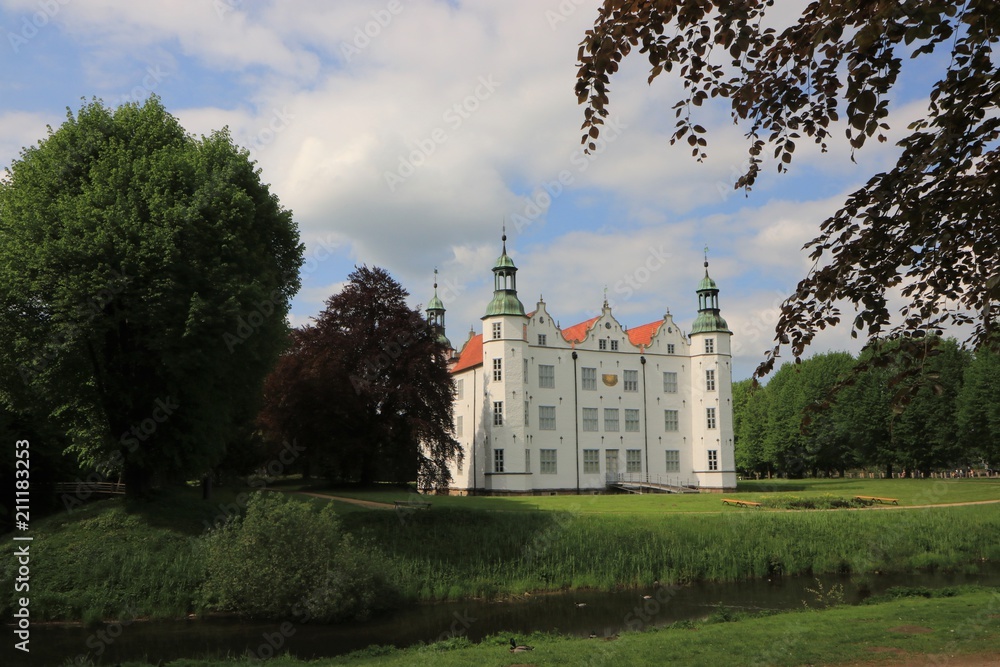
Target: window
x,y
589,378
527,460
498,413
497,460
590,419
526,413
497,370
670,348
670,420
546,376
633,460
547,417
591,461
631,421
610,419
459,425
710,417
602,344
670,383
631,380
541,339
713,459
496,330
614,346
710,379
673,460
459,389
709,346
547,461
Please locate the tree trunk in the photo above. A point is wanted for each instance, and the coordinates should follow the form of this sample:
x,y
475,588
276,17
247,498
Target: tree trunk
x,y
137,480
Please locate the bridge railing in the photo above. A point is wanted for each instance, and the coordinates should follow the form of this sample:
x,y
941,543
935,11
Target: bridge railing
x,y
645,478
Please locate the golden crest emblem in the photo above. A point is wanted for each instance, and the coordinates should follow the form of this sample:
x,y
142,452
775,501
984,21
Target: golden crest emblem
x,y
610,379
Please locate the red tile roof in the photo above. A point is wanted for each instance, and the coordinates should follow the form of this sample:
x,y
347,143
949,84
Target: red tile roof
x,y
578,332
471,354
644,335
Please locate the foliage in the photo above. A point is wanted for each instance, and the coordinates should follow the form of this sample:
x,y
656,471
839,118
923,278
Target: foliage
x,y
831,413
926,226
283,559
979,408
447,554
366,388
145,277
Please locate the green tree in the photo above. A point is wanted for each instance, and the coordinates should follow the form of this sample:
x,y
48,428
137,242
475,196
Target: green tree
x,y
924,434
928,224
800,434
979,408
145,278
750,409
366,388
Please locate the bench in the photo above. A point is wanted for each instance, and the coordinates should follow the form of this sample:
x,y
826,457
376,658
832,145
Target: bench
x,y
411,504
740,503
875,499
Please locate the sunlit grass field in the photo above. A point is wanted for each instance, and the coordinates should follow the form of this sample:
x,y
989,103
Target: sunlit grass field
x,y
909,492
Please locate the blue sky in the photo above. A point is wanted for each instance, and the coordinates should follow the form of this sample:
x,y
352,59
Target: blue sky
x,y
402,134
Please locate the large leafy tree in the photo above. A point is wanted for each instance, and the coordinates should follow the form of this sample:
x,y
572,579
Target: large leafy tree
x,y
366,389
145,275
928,225
979,408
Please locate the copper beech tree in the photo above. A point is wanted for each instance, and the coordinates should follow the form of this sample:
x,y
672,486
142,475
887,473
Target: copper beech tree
x,y
365,390
927,226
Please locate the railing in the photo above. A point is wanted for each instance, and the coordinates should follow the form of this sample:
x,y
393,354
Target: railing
x,y
641,479
89,488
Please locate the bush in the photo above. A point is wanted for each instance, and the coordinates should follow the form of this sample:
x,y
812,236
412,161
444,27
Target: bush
x,y
283,559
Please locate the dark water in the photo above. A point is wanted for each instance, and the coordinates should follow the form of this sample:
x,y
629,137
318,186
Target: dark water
x,y
604,614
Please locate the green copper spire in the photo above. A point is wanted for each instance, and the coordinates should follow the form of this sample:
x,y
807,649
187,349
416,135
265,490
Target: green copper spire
x,y
709,319
435,315
505,301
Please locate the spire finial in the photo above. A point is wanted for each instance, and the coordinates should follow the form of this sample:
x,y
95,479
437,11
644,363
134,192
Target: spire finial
x,y
605,296
706,258
435,279
503,237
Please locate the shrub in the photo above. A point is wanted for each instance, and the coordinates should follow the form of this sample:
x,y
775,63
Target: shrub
x,y
283,559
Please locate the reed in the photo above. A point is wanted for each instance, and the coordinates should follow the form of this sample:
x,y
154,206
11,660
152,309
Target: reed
x,y
446,554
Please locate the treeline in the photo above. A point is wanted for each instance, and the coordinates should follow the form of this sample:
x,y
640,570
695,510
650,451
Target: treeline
x,y
944,415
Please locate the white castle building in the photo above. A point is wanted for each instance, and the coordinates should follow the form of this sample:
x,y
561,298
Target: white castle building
x,y
540,409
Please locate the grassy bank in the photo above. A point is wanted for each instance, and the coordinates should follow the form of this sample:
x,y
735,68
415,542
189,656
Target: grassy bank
x,y
109,560
955,630
448,554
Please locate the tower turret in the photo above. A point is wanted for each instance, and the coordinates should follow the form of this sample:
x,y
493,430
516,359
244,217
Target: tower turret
x,y
505,301
435,315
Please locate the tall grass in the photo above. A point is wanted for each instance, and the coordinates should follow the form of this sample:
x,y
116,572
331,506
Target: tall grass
x,y
452,553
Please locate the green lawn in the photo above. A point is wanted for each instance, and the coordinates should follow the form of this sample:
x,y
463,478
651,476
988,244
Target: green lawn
x,y
926,631
907,491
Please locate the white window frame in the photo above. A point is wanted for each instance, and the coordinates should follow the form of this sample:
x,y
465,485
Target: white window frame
x,y
547,461
546,376
588,379
612,412
589,420
631,420
546,417
633,460
630,380
671,418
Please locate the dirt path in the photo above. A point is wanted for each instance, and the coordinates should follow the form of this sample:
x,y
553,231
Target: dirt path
x,y
960,660
370,504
